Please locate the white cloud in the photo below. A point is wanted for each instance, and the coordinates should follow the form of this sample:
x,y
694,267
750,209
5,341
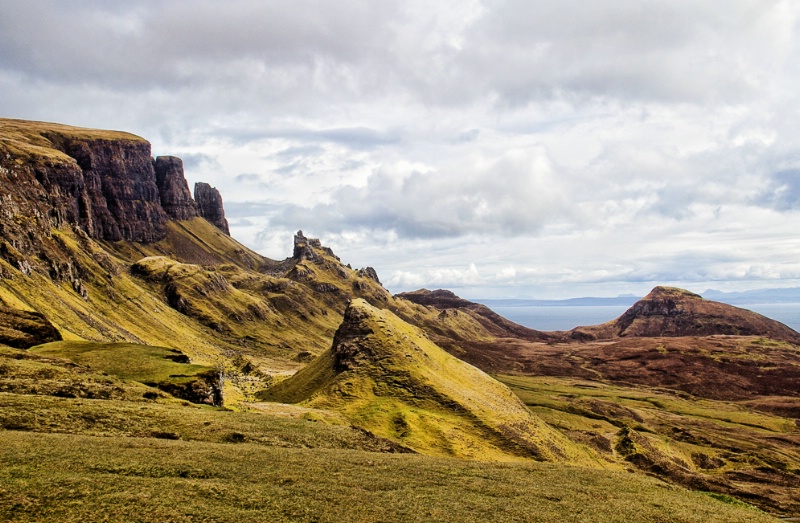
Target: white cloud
x,y
440,277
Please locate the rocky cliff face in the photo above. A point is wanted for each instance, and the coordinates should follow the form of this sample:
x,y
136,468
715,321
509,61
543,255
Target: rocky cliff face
x,y
176,200
209,205
118,183
103,183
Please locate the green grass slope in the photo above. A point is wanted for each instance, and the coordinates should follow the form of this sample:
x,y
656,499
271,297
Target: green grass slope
x,y
387,377
54,477
161,367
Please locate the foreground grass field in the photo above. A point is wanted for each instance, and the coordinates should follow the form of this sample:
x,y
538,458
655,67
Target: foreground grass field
x,y
75,478
78,445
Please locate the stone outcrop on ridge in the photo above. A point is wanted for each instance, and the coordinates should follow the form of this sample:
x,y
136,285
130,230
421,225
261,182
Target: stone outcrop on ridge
x,y
209,205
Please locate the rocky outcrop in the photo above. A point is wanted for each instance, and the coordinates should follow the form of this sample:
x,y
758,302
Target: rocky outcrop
x,y
669,311
369,272
393,381
304,247
176,200
209,206
24,329
120,184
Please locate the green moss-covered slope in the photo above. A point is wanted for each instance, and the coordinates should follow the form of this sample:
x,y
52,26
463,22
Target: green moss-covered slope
x,y
387,377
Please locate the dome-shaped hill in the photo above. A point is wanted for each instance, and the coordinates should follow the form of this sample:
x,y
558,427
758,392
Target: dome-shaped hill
x,y
669,311
388,378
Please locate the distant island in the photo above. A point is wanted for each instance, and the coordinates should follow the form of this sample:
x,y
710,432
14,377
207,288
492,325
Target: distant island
x,y
787,295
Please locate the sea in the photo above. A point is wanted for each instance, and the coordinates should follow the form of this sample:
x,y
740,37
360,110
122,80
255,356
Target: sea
x,y
566,317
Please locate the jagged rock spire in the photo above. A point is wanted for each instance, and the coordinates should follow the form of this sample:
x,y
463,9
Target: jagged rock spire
x,y
209,205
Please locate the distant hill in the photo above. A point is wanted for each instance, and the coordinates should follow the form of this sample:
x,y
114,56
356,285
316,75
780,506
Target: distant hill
x,y
788,295
570,302
669,311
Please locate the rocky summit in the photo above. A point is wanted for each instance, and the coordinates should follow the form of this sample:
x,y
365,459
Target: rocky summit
x,y
176,200
209,205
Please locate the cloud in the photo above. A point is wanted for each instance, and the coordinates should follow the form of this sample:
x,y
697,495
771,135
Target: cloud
x,y
443,277
783,191
510,195
193,161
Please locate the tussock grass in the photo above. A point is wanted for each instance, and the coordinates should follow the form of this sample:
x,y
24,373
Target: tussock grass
x,y
49,477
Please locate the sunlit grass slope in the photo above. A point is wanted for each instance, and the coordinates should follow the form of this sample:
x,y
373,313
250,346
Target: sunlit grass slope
x,y
26,139
387,377
50,477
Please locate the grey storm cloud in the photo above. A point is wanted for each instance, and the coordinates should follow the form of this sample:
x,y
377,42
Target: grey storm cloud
x,y
517,51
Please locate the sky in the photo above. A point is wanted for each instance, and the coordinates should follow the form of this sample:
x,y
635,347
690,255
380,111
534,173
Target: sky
x,y
500,149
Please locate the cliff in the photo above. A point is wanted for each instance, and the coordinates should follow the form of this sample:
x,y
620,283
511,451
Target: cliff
x,y
176,200
103,183
209,205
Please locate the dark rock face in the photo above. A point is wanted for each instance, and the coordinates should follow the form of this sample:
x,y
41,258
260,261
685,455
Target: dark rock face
x,y
176,200
209,206
108,186
121,190
24,329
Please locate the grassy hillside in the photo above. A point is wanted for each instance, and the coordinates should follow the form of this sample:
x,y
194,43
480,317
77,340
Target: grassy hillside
x,y
160,367
80,445
57,477
387,377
